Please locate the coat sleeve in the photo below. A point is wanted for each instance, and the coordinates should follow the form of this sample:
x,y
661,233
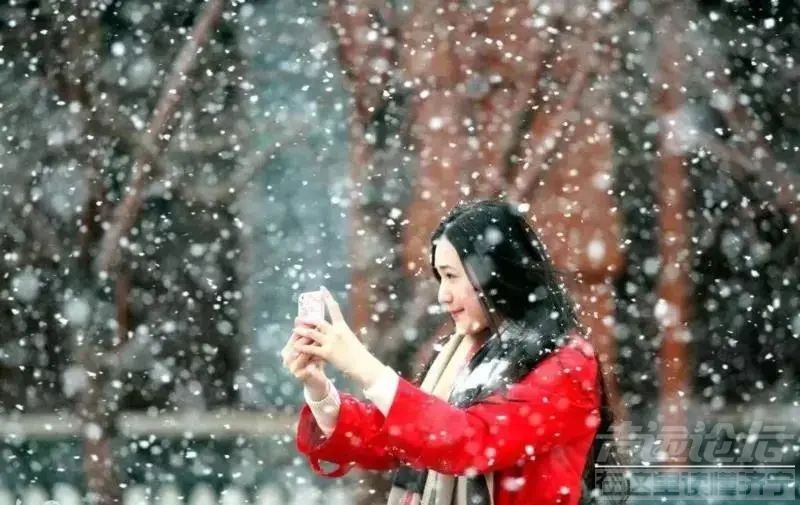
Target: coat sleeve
x,y
357,439
553,405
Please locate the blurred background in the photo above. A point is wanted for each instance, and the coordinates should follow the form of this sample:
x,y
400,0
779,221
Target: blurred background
x,y
173,174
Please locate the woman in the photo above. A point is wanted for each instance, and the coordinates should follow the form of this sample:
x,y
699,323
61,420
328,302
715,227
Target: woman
x,y
510,412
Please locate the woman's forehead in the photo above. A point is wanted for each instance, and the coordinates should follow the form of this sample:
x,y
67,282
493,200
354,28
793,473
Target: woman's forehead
x,y
445,252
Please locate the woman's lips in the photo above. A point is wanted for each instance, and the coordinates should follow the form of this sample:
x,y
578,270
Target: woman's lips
x,y
456,312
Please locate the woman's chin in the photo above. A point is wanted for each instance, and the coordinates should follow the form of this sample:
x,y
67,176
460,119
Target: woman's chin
x,y
467,328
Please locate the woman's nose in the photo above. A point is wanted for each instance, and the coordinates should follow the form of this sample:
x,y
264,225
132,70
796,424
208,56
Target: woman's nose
x,y
444,296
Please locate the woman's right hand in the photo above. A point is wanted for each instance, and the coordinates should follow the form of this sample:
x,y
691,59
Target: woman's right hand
x,y
306,368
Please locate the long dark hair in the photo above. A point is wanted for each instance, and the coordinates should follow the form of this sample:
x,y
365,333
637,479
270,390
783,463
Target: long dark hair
x,y
516,281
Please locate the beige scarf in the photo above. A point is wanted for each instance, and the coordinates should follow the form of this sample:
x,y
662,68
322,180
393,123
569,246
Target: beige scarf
x,y
442,489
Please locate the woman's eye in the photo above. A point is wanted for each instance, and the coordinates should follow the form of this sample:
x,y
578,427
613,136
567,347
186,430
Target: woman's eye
x,y
450,276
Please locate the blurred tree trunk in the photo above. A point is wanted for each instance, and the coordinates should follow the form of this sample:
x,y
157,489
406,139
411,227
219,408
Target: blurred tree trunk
x,y
70,72
569,182
674,283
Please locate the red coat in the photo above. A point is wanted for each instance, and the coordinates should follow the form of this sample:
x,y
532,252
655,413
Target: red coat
x,y
536,436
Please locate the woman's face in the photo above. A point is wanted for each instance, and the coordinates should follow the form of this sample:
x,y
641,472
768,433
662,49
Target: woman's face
x,y
456,293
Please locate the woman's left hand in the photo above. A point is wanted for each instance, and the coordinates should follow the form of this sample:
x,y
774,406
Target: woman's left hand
x,y
336,343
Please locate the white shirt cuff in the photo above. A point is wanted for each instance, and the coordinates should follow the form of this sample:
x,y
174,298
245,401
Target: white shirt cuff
x,y
382,392
325,411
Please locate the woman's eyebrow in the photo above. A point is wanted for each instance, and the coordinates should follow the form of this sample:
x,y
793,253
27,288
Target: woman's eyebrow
x,y
443,267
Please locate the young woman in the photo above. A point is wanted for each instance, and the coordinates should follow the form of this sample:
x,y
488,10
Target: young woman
x,y
511,411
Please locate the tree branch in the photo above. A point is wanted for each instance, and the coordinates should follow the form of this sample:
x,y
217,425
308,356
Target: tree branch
x,y
547,143
172,92
783,186
143,148
229,190
126,213
766,165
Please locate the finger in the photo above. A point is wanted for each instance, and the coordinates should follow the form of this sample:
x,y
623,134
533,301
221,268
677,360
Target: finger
x,y
288,353
312,334
289,343
294,355
332,306
302,322
313,350
298,363
308,371
302,359
300,372
312,323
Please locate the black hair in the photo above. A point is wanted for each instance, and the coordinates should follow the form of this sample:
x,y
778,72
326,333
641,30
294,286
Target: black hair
x,y
505,260
515,280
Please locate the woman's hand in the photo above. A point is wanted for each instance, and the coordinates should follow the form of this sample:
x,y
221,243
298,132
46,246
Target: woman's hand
x,y
336,343
306,368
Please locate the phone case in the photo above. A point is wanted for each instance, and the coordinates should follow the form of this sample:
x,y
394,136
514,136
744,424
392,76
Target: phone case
x,y
311,305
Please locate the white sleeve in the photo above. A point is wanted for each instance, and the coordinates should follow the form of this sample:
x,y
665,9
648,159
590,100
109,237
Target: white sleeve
x,y
325,411
381,392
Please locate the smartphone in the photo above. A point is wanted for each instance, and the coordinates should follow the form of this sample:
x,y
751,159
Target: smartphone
x,y
311,305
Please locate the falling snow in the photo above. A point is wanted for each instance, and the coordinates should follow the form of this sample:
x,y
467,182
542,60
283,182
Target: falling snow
x,y
167,194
